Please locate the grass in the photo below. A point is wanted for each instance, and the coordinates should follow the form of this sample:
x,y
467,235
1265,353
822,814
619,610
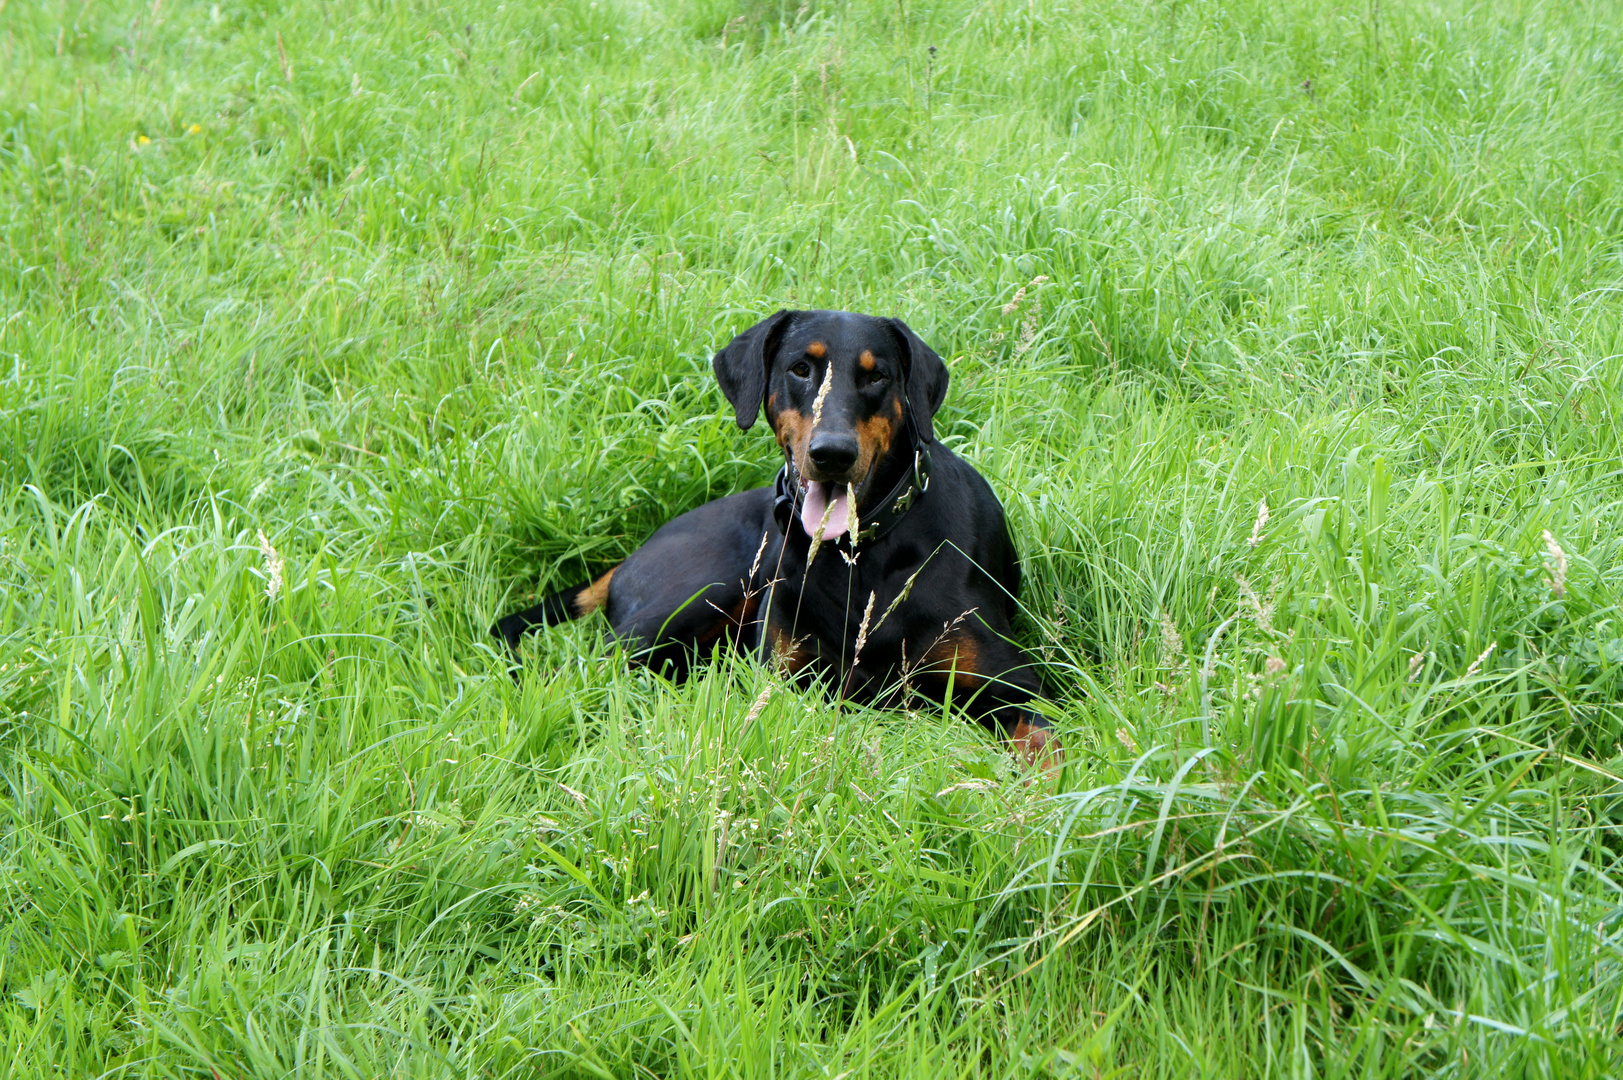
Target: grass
x,y
407,308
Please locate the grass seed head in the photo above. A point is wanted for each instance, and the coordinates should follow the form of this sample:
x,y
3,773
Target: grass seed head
x,y
862,630
1020,294
901,598
1262,523
822,396
1558,565
272,560
817,534
1172,645
756,565
1259,611
760,704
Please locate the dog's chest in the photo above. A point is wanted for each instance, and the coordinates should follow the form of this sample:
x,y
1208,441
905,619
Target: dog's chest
x,y
867,605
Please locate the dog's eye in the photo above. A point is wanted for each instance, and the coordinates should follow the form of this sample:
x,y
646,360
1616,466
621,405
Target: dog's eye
x,y
800,368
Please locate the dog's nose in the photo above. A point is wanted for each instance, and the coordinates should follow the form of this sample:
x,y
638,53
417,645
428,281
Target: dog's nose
x,y
832,453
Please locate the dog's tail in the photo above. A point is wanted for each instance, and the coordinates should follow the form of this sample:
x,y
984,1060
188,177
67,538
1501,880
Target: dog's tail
x,y
572,603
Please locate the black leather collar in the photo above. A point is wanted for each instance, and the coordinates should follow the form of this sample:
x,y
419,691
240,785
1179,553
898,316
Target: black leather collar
x,y
878,521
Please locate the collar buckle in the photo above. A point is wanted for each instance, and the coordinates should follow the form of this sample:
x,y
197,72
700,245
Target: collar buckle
x,y
921,469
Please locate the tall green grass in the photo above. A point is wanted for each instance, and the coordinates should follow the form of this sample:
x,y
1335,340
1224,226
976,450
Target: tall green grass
x,y
329,332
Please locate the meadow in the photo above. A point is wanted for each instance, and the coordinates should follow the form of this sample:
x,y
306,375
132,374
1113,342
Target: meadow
x,y
1290,335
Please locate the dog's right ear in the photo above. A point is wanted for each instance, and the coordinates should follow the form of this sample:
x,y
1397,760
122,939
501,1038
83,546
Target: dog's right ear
x,y
741,367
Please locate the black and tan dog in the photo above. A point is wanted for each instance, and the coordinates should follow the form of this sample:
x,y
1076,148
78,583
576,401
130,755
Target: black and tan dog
x,y
912,578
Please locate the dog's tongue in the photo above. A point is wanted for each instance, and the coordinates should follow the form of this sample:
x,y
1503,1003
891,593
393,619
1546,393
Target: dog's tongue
x,y
817,501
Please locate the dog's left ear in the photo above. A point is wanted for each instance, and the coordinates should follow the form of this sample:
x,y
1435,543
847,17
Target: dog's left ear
x,y
741,366
925,380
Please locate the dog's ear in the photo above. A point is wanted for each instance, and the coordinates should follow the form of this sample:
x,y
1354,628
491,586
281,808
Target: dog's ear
x,y
741,366
925,380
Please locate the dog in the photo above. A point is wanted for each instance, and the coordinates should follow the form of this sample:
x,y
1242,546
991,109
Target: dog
x,y
878,560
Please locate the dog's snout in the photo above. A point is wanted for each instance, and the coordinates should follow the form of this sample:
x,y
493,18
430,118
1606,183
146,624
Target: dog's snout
x,y
833,453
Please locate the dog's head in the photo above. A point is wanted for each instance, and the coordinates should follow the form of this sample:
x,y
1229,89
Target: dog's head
x,y
839,390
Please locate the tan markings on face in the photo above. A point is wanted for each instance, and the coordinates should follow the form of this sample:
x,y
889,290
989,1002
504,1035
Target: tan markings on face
x,y
594,595
817,350
794,433
867,360
1035,746
873,439
955,655
772,403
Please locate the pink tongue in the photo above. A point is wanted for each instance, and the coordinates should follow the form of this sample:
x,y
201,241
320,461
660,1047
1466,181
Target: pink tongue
x,y
811,510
